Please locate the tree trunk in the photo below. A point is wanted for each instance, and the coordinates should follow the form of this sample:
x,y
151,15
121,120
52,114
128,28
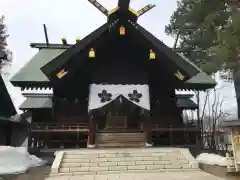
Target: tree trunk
x,y
236,80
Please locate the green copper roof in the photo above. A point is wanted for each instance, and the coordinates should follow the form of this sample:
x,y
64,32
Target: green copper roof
x,y
7,108
36,103
202,78
186,103
43,101
31,72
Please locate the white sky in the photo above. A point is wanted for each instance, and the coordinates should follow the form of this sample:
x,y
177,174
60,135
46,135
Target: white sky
x,y
73,18
70,18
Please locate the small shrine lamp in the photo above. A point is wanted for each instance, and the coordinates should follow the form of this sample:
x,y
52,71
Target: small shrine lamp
x,y
78,39
152,55
122,30
91,53
64,41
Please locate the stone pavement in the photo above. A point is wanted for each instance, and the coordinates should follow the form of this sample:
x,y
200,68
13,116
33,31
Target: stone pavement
x,y
127,163
190,175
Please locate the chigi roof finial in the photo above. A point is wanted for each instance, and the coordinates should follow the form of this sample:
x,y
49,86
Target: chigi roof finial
x,y
124,5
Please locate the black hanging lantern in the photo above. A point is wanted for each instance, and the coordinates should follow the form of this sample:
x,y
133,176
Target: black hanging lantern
x,y
105,96
135,96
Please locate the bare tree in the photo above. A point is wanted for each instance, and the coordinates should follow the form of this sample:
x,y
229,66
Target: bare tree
x,y
210,118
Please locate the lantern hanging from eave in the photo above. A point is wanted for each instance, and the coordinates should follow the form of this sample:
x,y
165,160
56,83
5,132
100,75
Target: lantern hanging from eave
x,y
152,55
122,30
91,53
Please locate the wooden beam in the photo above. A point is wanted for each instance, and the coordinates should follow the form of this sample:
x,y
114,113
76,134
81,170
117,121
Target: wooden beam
x,y
145,9
50,46
99,6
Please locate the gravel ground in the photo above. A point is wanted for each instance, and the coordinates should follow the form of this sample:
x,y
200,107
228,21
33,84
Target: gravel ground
x,y
220,172
40,173
37,173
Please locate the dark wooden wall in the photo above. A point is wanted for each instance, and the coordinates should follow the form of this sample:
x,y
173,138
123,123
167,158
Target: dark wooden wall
x,y
41,115
119,60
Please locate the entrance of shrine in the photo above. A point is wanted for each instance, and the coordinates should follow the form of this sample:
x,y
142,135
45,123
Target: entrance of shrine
x,y
116,121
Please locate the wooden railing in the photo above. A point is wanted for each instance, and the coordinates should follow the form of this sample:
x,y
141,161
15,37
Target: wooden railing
x,y
59,127
156,127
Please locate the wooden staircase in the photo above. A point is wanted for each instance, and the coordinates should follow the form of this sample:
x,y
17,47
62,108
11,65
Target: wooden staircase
x,y
121,139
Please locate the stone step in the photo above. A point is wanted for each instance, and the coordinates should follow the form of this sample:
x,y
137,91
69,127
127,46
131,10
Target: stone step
x,y
118,160
105,140
122,163
130,138
122,134
82,173
120,145
125,168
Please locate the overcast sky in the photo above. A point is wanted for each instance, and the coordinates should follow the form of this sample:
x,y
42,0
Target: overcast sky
x,y
70,18
73,18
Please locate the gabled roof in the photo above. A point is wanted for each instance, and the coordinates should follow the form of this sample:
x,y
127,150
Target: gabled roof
x,y
7,108
31,72
64,57
51,62
195,74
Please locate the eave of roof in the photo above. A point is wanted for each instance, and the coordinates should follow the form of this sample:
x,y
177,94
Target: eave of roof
x,y
202,78
172,55
230,124
44,101
50,46
36,103
31,73
185,102
197,76
7,108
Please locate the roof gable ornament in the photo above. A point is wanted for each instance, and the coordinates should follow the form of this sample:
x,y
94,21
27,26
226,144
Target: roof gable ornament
x,y
99,6
61,73
179,75
145,9
123,5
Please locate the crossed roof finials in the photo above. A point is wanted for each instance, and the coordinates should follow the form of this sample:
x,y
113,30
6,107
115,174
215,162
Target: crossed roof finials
x,y
105,96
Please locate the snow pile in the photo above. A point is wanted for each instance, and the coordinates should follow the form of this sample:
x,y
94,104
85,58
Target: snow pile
x,y
16,160
212,159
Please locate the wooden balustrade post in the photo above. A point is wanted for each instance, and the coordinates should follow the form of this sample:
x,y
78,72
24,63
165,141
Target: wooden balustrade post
x,y
92,132
148,130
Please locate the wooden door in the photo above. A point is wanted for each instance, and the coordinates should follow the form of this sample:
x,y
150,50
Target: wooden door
x,y
116,121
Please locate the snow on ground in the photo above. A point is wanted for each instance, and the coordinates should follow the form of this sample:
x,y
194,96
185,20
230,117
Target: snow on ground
x,y
212,159
16,160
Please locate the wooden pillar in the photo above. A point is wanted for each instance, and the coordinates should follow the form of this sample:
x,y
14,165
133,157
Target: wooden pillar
x,y
8,132
92,132
148,130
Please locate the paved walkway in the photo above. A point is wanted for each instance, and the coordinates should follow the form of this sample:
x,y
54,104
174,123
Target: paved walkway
x,y
194,175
